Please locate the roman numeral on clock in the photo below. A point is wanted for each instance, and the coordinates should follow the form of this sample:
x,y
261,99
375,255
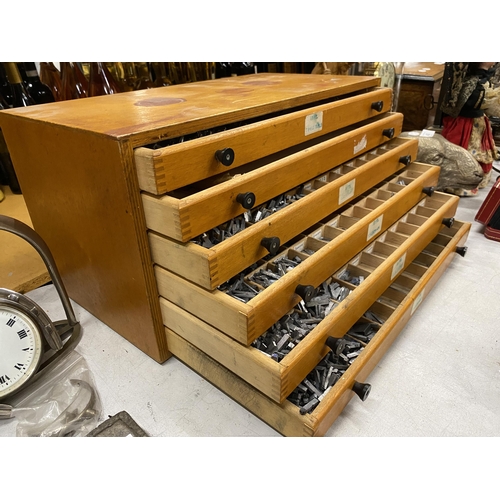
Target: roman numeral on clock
x,y
22,334
11,322
3,379
19,366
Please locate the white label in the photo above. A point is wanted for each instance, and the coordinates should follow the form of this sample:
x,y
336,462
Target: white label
x,y
299,247
324,178
417,302
360,145
314,123
346,191
427,133
398,266
374,227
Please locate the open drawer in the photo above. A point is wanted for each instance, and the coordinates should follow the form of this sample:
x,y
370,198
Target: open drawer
x,y
229,251
188,212
246,315
182,163
286,418
278,377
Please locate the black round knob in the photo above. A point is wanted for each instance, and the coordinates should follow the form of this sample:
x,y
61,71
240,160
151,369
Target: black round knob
x,y
388,132
271,244
428,190
305,292
405,160
378,105
362,390
448,221
461,251
335,344
246,200
225,156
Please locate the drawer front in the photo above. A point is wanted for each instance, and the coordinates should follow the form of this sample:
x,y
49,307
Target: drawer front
x,y
286,418
322,251
190,212
278,379
166,169
210,267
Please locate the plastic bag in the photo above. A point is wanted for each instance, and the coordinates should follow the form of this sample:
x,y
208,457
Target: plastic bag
x,y
64,402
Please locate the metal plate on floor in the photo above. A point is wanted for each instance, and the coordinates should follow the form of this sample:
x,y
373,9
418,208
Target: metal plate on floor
x,y
119,425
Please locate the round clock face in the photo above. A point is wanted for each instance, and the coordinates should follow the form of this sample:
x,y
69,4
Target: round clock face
x,y
20,349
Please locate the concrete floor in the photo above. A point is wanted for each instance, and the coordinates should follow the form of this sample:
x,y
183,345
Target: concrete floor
x,y
440,378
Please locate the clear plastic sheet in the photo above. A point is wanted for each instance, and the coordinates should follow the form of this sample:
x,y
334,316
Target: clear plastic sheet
x,y
63,403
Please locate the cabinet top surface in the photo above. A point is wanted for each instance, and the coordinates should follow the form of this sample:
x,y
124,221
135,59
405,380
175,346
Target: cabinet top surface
x,y
423,70
192,106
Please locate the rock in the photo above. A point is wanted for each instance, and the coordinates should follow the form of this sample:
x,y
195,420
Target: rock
x,y
459,169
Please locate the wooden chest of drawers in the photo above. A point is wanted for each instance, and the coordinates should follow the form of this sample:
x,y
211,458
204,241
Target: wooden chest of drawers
x,y
159,204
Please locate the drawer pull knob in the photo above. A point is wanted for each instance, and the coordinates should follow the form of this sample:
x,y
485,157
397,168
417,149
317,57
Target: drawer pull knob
x,y
246,200
448,221
362,390
388,132
428,190
225,156
461,251
305,292
335,344
405,160
378,105
271,244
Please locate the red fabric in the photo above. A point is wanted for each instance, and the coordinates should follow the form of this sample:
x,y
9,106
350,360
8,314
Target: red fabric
x,y
458,131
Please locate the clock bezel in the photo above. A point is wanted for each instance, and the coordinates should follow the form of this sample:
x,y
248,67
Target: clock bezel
x,y
44,329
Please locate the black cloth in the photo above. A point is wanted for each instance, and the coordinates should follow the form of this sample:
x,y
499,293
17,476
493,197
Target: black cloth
x,y
495,220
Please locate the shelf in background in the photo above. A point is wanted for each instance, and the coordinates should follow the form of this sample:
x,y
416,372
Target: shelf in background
x,y
21,267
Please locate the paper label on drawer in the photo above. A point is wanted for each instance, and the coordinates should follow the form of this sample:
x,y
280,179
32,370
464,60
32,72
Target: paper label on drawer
x,y
346,191
299,247
417,302
314,123
374,227
398,266
359,146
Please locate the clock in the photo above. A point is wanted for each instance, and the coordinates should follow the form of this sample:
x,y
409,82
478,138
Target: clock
x,y
30,342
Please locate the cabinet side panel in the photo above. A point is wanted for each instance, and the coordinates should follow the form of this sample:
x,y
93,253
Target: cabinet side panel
x,y
78,188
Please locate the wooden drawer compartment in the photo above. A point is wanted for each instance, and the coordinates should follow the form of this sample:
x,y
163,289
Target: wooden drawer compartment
x,y
336,241
210,267
177,165
277,380
188,212
286,418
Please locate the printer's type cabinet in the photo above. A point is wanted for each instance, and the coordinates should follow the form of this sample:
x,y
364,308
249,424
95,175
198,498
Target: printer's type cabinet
x,y
197,220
